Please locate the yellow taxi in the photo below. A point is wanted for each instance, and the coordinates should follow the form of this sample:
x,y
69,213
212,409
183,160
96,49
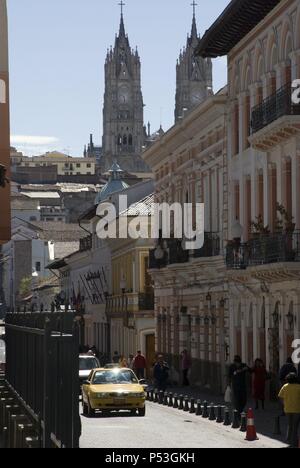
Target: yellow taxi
x,y
115,389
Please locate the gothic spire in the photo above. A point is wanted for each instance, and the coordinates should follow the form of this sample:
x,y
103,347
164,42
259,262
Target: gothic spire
x,y
194,33
122,26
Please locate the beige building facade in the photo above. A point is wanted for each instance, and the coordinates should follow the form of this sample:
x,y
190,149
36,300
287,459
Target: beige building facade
x,y
263,254
66,165
190,165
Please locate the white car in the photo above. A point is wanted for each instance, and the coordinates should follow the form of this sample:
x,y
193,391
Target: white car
x,y
87,363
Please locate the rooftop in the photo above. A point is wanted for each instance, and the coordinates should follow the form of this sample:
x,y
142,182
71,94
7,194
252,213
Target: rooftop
x,y
236,21
59,231
141,208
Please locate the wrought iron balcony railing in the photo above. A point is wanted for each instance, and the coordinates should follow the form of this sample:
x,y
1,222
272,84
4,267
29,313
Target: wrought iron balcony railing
x,y
174,253
211,247
272,108
264,250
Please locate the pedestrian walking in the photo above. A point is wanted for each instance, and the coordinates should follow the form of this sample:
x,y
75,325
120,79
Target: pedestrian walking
x,y
131,361
238,380
287,368
161,374
260,376
123,363
290,394
139,365
186,364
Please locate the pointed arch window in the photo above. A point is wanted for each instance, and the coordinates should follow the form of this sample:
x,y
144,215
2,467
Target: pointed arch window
x,y
125,140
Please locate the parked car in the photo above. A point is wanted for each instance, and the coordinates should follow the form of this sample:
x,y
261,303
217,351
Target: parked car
x,y
113,390
86,364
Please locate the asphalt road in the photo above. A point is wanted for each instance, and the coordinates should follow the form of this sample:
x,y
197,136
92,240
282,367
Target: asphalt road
x,y
164,427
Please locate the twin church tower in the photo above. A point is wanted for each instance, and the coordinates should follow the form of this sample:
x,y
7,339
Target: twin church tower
x,y
124,133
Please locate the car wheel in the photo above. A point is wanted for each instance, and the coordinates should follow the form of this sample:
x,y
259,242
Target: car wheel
x,y
142,412
105,413
133,412
90,410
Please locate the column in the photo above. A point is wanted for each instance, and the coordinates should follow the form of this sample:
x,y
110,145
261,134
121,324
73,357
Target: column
x,y
268,326
295,187
256,329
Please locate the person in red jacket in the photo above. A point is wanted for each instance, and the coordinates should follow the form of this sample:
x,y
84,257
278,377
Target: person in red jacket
x,y
139,365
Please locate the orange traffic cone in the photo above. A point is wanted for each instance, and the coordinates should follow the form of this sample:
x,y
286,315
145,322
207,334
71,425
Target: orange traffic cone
x,y
251,430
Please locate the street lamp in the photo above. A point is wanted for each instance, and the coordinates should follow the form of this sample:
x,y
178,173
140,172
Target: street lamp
x,y
123,285
237,231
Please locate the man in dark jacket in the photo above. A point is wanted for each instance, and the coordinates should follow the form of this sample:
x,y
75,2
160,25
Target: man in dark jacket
x,y
238,380
161,373
288,368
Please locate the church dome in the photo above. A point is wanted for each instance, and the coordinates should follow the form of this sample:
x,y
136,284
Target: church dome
x,y
114,185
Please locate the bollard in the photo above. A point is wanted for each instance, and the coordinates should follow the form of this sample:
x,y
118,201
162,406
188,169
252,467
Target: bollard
x,y
165,399
181,400
175,404
220,419
236,420
171,400
156,396
186,405
192,408
161,398
152,395
243,422
205,414
227,421
212,413
277,426
199,408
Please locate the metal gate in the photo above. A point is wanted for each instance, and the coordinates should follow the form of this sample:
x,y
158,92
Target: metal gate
x,y
42,369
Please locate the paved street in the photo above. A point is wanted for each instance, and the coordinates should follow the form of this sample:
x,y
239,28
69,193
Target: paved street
x,y
164,427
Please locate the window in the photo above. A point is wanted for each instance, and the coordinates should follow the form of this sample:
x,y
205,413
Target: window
x,y
78,165
89,165
38,266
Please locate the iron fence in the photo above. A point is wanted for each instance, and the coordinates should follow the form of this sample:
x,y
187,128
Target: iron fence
x,y
42,370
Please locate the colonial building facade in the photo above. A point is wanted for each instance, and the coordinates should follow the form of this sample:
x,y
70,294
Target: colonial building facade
x,y
263,254
190,165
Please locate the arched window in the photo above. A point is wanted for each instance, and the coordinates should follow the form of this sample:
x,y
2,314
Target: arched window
x,y
130,140
119,140
125,140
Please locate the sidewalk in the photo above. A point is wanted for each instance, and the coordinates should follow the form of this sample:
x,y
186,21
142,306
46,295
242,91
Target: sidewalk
x,y
265,420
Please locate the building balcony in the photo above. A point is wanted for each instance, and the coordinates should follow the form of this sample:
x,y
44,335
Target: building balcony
x,y
174,254
274,120
120,305
279,248
86,244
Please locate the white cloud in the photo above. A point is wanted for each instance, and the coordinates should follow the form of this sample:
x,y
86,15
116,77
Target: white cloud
x,y
34,145
33,140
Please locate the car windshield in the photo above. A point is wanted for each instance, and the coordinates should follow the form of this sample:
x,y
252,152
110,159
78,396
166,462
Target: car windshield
x,y
88,363
115,376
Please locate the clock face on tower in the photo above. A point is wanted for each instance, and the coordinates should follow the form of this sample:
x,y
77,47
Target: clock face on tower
x,y
124,95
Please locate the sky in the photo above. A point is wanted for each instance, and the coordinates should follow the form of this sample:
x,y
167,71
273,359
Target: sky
x,y
57,54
